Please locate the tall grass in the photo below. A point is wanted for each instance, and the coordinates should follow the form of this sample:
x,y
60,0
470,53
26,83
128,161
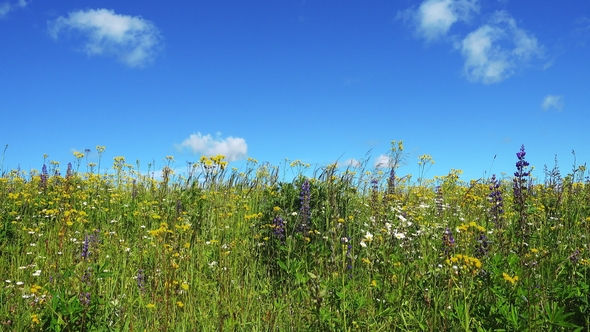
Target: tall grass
x,y
221,249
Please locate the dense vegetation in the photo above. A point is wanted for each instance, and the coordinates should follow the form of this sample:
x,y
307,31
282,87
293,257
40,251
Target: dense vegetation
x,y
220,249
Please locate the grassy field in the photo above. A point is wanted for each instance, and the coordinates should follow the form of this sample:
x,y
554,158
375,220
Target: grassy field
x,y
221,249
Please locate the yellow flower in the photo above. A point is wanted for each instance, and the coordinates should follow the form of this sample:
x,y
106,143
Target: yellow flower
x,y
184,286
374,283
180,304
150,306
510,279
35,319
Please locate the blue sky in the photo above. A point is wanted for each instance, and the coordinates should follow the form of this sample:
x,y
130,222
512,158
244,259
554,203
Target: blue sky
x,y
319,81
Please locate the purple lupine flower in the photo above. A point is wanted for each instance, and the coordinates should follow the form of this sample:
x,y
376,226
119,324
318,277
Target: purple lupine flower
x,y
86,247
448,241
305,210
391,182
347,241
69,171
483,245
497,202
140,280
84,299
44,176
279,227
89,242
575,257
520,187
87,276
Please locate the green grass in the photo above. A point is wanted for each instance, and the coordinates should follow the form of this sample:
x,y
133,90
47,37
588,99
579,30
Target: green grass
x,y
207,252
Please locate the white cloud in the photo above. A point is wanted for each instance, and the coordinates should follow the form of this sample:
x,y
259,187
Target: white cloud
x,y
494,51
131,39
382,161
233,148
553,101
434,18
6,7
350,163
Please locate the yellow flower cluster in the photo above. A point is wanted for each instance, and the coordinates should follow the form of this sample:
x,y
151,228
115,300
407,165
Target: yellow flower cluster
x,y
510,279
473,225
472,264
163,229
253,216
209,162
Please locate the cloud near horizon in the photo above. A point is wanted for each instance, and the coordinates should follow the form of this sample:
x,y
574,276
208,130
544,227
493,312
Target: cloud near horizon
x,y
131,39
353,163
233,148
552,101
7,7
382,161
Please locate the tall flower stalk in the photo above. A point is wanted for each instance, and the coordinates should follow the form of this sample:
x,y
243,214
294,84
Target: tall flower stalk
x,y
520,194
305,210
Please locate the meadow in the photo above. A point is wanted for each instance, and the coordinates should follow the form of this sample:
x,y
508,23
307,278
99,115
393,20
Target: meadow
x,y
288,248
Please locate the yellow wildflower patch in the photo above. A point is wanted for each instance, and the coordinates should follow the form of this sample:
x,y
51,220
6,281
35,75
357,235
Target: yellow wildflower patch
x,y
510,279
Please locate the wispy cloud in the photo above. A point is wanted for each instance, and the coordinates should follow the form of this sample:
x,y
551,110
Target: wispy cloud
x,y
581,32
350,163
233,148
492,52
382,161
434,18
7,7
131,39
495,50
553,101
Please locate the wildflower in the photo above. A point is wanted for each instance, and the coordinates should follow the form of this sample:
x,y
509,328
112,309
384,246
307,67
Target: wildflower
x,y
575,257
84,299
510,279
85,247
180,304
35,319
140,280
44,176
184,286
305,211
496,201
448,241
482,246
150,306
279,227
519,189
